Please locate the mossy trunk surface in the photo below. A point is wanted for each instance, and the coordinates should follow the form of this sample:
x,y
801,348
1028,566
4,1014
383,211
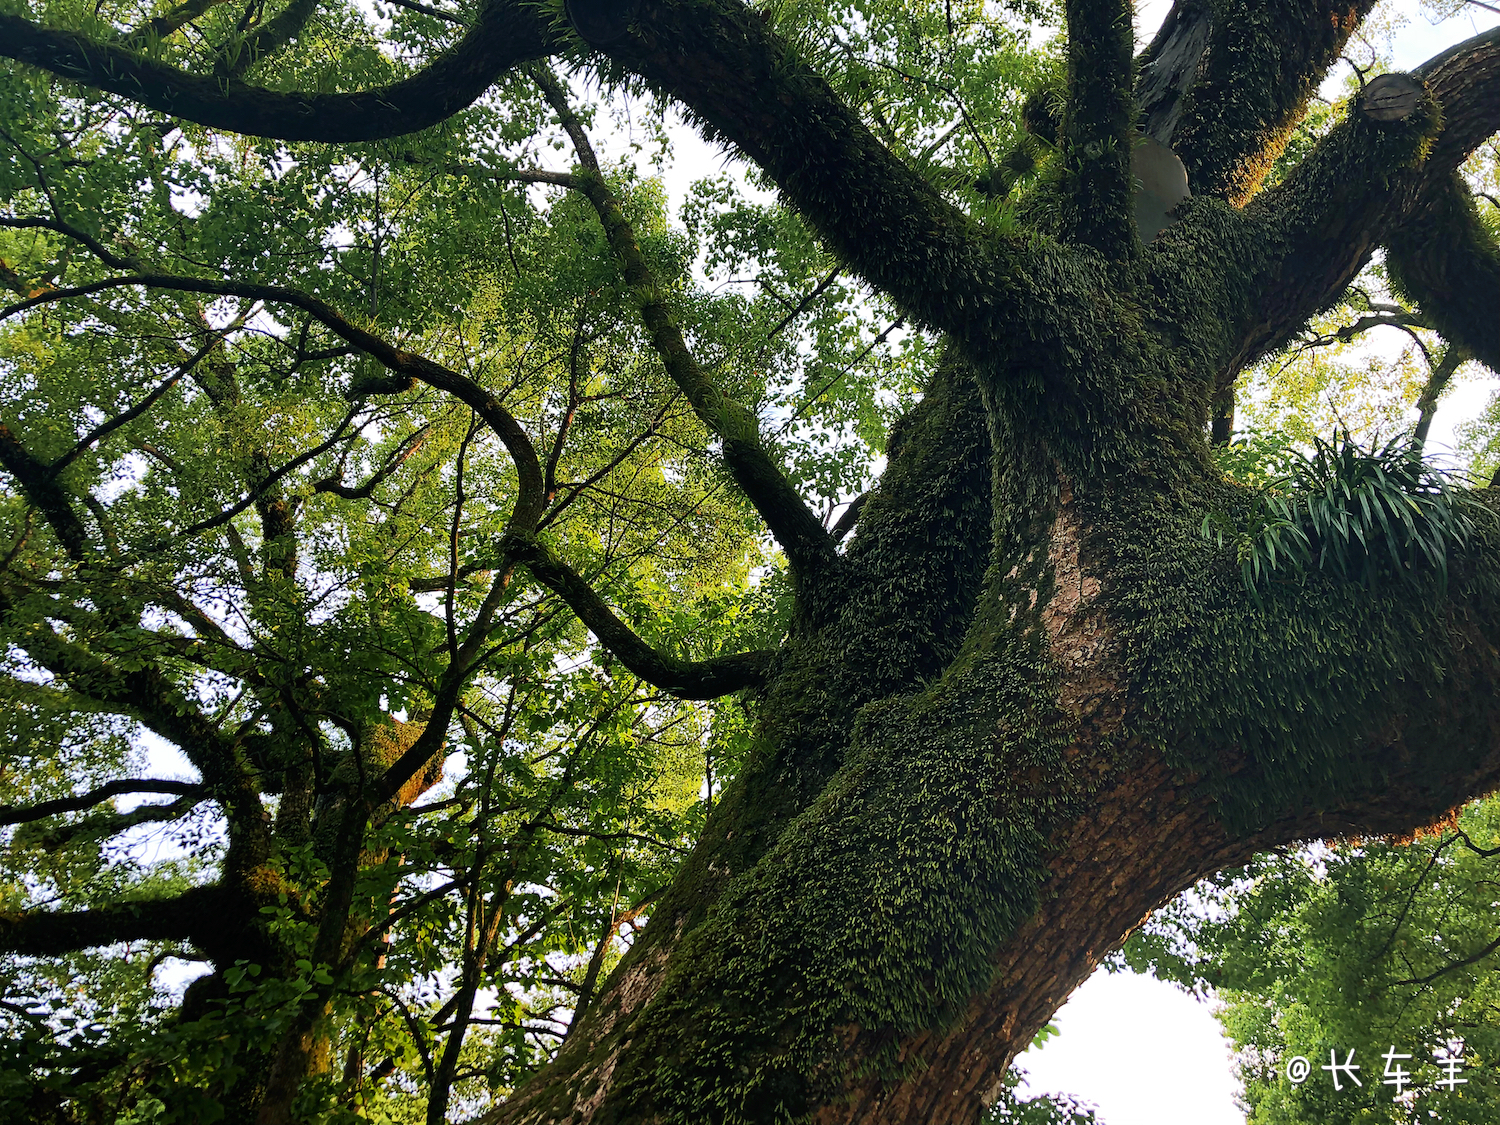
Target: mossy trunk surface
x,y
1032,702
1031,705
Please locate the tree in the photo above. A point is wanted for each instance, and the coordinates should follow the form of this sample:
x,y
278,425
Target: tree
x,y
1377,947
1023,703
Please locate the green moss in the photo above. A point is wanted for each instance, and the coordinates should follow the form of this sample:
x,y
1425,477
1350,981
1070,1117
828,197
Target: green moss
x,y
892,618
1447,261
880,905
1263,62
1273,706
892,828
889,621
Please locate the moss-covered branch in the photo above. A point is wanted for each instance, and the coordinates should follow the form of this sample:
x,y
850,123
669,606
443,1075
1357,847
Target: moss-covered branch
x,y
1098,129
1465,79
807,544
1261,64
1296,248
746,87
50,933
1385,174
507,32
1447,261
686,679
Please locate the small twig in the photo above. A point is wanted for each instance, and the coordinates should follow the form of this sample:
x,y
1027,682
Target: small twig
x,y
802,305
426,11
104,429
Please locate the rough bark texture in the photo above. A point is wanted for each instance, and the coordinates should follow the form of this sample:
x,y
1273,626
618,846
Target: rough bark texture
x,y
1141,820
1119,719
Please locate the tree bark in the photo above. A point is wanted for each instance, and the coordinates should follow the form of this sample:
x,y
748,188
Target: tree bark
x,y
1030,702
1070,797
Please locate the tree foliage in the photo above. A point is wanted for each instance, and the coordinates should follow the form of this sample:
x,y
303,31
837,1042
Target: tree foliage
x,y
1370,947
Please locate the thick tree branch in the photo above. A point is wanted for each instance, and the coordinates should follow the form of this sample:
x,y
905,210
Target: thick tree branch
x,y
1168,67
746,87
1447,262
1097,132
1465,80
1303,243
50,933
507,32
1388,167
104,825
1227,82
706,679
796,528
12,814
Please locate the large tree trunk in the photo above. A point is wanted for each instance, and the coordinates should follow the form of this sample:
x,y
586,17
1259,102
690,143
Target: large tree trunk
x,y
974,781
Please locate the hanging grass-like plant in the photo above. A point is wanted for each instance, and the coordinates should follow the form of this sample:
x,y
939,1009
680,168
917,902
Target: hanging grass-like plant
x,y
1369,513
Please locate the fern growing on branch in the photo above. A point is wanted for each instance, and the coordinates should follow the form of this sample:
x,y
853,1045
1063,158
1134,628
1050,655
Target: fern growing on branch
x,y
1368,513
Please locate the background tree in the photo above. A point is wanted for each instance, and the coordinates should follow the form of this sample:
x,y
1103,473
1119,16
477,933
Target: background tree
x,y
1374,947
430,462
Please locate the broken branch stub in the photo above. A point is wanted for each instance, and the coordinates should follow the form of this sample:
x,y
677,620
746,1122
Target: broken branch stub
x,y
1390,97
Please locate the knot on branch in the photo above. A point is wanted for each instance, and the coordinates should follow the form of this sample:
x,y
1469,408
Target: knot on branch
x,y
1394,122
1391,97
